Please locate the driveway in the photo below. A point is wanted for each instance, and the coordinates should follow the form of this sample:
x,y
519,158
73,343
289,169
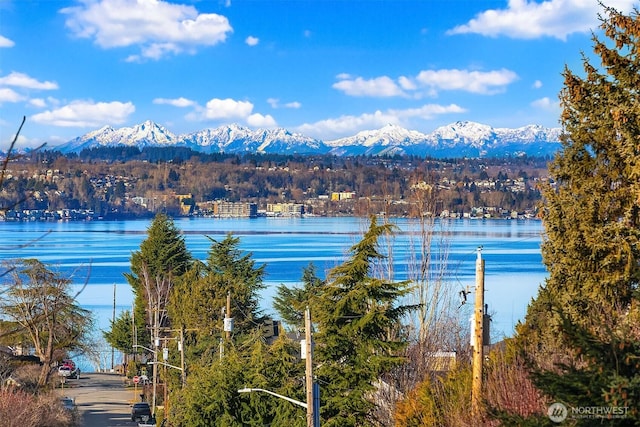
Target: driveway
x,y
102,399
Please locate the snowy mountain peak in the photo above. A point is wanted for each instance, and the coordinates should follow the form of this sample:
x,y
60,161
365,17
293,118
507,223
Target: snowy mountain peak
x,y
459,139
464,130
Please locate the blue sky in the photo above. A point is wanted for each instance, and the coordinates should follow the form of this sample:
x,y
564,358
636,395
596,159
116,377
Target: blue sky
x,y
325,68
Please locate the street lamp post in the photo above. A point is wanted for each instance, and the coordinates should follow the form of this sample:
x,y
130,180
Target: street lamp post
x,y
166,364
288,399
143,347
313,390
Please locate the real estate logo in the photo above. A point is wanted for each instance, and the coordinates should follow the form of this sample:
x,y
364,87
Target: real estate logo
x,y
557,412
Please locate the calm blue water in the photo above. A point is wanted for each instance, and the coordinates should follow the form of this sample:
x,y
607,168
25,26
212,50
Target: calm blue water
x,y
98,253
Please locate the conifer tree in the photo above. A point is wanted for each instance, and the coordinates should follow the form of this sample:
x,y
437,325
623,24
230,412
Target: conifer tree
x,y
291,302
581,331
163,257
236,273
201,300
120,335
355,314
211,396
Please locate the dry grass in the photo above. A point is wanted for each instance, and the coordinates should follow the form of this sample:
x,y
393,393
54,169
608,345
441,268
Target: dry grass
x,y
19,409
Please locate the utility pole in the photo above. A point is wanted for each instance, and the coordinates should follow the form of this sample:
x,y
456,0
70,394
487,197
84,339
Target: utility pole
x,y
156,343
478,344
313,406
228,322
135,332
181,348
113,320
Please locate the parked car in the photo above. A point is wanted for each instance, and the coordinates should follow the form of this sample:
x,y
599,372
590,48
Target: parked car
x,y
151,422
64,371
68,371
140,411
68,403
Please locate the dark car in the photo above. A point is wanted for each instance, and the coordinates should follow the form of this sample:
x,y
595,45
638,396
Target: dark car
x,y
140,411
68,403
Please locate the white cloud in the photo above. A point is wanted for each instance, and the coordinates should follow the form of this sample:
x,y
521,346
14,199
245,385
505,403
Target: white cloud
x,y
38,102
252,41
177,102
348,125
379,87
24,81
546,104
528,19
345,125
482,82
406,83
258,120
9,95
217,109
275,103
86,114
537,84
427,112
5,42
431,81
157,27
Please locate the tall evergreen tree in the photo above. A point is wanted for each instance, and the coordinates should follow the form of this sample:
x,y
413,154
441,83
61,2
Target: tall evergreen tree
x,y
355,314
239,276
201,298
120,336
291,302
581,330
163,257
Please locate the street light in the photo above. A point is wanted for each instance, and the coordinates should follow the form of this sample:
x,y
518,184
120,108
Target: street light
x,y
146,348
165,364
288,399
313,389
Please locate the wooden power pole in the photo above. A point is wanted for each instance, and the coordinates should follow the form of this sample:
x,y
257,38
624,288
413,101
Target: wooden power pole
x,y
311,421
478,344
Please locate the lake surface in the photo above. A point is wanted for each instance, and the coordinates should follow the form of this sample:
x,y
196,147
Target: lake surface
x,y
98,253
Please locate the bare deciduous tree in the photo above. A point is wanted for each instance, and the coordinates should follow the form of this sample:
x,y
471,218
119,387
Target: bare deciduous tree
x,y
40,303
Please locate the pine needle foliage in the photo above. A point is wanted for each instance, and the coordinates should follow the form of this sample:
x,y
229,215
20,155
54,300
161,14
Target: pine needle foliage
x,y
356,314
163,255
291,302
578,332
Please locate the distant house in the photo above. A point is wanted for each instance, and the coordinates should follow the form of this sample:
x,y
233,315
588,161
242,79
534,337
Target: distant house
x,y
235,210
342,195
285,209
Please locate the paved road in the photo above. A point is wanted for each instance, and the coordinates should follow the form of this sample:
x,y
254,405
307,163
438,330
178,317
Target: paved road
x,y
102,399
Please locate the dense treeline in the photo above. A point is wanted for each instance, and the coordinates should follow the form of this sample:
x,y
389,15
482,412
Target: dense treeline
x,y
106,180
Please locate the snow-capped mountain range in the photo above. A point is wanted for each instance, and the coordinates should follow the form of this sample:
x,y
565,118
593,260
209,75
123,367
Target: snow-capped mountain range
x,y
459,139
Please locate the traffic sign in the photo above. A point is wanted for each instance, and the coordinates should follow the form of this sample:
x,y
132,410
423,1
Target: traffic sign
x,y
136,379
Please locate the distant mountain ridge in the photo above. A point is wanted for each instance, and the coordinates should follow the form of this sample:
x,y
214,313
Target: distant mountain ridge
x,y
459,139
